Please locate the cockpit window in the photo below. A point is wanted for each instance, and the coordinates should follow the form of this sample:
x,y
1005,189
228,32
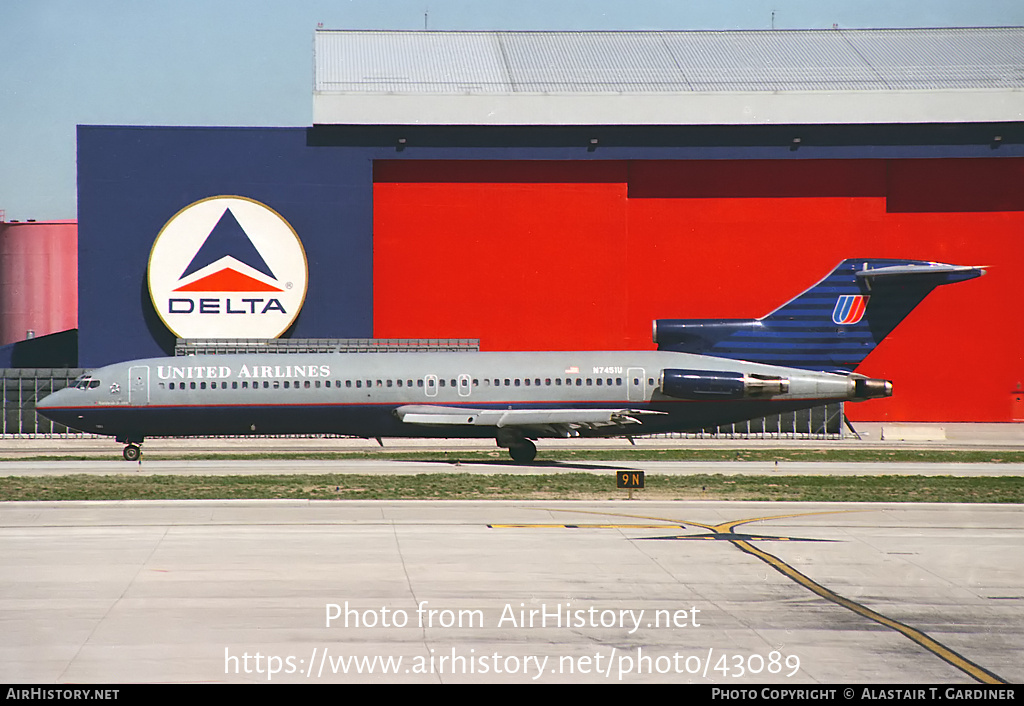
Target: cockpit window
x,y
87,383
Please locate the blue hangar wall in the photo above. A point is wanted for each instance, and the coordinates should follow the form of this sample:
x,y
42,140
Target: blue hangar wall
x,y
131,181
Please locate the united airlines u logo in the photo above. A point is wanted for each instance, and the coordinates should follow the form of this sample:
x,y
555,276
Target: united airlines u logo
x,y
227,267
850,308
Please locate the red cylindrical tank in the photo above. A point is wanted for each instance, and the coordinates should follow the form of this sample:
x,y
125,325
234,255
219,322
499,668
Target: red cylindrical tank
x,y
38,279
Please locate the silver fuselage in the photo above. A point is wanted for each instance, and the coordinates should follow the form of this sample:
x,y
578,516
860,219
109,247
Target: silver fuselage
x,y
359,393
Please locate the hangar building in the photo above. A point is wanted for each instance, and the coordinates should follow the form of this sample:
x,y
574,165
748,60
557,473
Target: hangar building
x,y
561,190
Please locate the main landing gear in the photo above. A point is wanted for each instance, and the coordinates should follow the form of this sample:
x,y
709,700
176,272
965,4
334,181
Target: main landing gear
x,y
523,452
521,449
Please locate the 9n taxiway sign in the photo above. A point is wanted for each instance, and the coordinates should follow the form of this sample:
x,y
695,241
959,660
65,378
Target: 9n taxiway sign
x,y
227,267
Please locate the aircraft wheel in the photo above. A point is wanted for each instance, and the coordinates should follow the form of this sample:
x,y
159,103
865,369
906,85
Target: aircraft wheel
x,y
131,452
524,452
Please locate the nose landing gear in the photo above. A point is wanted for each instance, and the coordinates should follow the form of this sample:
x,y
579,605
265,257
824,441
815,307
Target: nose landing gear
x,y
131,452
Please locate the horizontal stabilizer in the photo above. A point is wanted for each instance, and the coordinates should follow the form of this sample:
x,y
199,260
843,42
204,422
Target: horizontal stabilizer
x,y
949,273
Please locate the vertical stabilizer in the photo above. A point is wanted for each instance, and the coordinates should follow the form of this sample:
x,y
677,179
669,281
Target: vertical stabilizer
x,y
832,326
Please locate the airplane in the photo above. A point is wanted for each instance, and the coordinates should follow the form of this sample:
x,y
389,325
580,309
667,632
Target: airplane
x,y
706,372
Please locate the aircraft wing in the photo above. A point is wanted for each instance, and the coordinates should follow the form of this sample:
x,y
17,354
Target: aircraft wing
x,y
561,421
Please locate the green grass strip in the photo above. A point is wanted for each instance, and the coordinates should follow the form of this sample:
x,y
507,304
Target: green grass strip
x,y
470,486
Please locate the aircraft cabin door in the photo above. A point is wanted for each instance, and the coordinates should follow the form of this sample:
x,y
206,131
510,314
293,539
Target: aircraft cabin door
x,y
138,385
636,382
465,386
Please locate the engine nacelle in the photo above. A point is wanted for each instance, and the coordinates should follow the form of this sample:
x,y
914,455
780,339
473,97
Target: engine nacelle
x,y
719,384
870,388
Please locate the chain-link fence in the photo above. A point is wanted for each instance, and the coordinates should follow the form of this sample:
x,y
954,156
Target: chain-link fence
x,y
23,387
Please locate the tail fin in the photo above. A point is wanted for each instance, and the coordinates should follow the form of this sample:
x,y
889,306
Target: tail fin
x,y
831,327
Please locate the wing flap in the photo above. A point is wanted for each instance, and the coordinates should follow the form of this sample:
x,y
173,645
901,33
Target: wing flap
x,y
426,414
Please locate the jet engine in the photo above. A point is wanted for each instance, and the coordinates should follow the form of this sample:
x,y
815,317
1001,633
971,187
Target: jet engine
x,y
719,384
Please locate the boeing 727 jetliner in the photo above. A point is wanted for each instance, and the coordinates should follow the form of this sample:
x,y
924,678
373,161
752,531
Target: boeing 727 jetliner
x,y
705,372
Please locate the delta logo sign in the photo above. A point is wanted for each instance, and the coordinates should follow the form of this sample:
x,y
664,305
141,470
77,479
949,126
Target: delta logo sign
x,y
227,267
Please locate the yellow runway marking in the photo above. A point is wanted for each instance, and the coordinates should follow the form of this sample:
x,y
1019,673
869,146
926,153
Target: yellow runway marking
x,y
743,543
930,644
591,526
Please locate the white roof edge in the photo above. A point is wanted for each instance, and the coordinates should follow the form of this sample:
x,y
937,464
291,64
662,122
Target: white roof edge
x,y
741,108
954,75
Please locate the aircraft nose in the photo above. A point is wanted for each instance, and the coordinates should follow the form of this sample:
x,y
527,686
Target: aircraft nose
x,y
54,400
46,402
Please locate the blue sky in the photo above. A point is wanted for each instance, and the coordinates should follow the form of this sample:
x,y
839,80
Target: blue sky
x,y
249,62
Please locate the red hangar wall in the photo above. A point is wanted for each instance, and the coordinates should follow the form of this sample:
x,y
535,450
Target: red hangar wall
x,y
569,255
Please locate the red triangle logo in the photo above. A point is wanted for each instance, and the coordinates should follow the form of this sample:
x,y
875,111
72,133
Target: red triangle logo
x,y
228,280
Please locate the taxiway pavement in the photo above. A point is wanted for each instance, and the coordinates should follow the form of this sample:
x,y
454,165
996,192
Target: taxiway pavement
x,y
726,592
